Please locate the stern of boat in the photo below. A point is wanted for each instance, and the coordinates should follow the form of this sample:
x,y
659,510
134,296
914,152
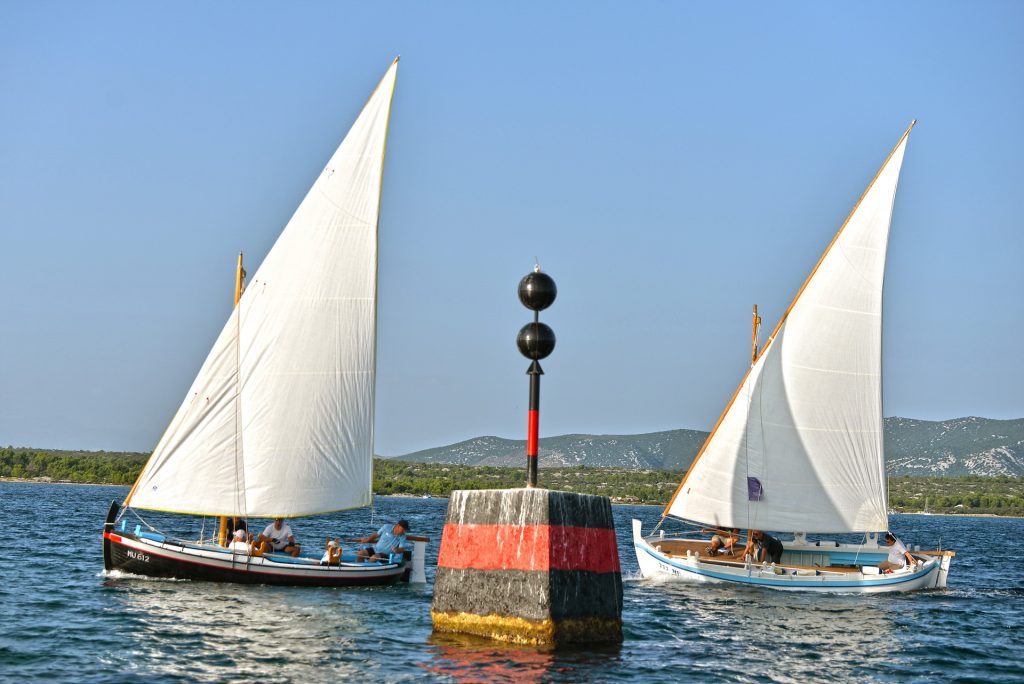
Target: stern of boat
x,y
944,558
416,564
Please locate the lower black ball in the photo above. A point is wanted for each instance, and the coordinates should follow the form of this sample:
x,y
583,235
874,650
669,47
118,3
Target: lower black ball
x,y
535,341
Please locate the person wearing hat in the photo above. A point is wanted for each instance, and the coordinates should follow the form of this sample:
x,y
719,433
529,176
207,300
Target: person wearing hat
x,y
898,555
239,543
386,540
332,556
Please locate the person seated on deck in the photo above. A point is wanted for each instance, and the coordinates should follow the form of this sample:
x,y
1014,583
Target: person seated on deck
x,y
239,543
723,539
332,556
898,555
235,524
763,548
388,541
276,538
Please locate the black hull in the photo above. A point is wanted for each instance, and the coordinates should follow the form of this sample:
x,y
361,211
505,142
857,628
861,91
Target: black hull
x,y
126,555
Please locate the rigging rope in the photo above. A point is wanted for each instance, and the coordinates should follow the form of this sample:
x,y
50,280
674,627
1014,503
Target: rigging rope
x,y
148,526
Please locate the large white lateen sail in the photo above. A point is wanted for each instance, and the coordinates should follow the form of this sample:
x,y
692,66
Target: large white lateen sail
x,y
279,421
799,447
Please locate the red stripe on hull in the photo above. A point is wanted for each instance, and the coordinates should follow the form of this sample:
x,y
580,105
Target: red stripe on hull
x,y
528,547
162,563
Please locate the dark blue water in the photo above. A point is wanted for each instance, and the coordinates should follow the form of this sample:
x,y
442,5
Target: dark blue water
x,y
64,620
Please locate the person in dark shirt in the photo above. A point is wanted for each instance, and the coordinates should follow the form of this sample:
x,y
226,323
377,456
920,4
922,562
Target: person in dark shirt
x,y
234,524
764,547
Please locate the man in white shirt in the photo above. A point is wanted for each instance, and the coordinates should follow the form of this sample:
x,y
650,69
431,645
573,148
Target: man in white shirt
x,y
239,544
277,538
898,554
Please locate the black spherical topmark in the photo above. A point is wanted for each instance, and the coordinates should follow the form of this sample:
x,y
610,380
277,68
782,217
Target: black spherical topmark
x,y
536,341
537,291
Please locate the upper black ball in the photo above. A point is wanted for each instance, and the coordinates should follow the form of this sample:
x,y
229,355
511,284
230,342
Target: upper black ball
x,y
536,341
537,291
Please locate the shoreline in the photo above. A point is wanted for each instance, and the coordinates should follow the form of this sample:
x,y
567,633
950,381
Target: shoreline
x,y
26,480
22,480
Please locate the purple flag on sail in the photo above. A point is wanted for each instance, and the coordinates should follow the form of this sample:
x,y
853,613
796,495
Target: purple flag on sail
x,y
754,489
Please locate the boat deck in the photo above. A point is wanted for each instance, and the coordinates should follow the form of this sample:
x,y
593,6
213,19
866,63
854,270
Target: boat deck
x,y
679,547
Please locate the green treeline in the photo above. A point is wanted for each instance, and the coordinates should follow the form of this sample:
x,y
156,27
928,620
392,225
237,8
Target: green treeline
x,y
93,467
965,494
437,479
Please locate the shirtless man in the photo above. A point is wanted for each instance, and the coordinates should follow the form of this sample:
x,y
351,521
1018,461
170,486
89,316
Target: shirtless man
x,y
723,539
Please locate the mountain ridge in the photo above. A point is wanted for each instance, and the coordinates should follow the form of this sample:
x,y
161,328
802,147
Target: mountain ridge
x,y
960,446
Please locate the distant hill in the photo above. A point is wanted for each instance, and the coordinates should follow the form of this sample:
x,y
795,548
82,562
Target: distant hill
x,y
962,446
669,450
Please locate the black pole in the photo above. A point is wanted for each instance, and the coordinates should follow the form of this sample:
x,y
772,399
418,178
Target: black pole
x,y
535,340
533,424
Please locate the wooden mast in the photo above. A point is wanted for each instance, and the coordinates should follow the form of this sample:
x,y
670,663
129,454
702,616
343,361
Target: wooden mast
x,y
755,324
222,536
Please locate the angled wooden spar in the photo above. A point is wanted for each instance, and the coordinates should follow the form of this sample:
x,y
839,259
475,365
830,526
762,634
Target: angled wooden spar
x,y
755,328
782,320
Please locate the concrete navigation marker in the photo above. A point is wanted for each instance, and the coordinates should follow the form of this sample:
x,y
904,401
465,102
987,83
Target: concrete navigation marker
x,y
530,566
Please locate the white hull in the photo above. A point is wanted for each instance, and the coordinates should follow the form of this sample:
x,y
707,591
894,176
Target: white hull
x,y
693,568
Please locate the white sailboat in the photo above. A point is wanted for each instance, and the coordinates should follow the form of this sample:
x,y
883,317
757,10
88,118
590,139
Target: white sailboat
x,y
279,420
799,447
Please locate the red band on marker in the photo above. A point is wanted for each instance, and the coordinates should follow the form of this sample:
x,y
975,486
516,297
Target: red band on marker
x,y
532,423
528,547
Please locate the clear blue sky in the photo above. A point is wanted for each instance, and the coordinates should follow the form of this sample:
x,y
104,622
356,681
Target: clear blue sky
x,y
669,163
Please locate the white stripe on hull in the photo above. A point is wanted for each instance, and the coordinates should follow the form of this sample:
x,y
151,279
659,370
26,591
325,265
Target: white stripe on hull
x,y
654,564
142,552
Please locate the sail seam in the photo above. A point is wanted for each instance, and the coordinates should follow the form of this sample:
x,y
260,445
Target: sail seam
x,y
856,312
858,271
832,371
814,429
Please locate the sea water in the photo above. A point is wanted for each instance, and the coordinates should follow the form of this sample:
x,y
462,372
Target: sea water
x,y
64,619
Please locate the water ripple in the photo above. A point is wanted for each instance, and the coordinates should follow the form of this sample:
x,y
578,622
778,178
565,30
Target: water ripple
x,y
66,619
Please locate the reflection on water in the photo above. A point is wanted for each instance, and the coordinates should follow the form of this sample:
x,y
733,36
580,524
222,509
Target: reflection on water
x,y
209,632
744,633
465,658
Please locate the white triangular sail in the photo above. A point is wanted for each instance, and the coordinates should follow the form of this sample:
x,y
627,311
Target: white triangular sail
x,y
805,424
279,421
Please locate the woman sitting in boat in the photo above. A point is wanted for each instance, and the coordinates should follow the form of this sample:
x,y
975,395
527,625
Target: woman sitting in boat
x,y
332,556
898,555
764,547
276,538
723,539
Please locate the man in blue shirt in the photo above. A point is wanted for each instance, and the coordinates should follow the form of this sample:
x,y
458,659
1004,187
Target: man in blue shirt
x,y
385,542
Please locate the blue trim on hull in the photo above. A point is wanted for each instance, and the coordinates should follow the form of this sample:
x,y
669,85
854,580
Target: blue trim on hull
x,y
784,583
160,562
